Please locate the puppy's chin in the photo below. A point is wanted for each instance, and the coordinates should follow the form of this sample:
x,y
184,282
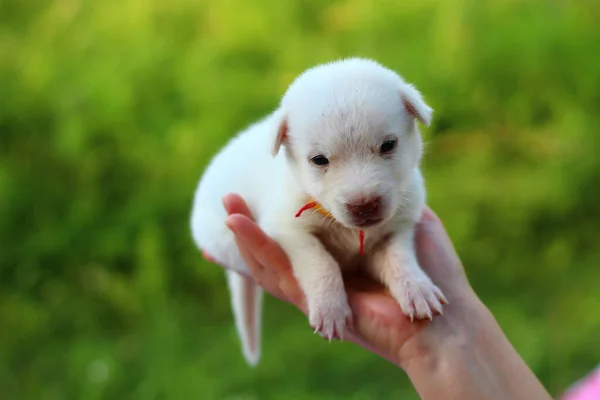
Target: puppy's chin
x,y
363,223
367,223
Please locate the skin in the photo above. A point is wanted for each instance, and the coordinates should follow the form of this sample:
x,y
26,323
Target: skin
x,y
462,354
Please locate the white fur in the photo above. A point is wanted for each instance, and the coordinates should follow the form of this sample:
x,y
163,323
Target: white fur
x,y
344,111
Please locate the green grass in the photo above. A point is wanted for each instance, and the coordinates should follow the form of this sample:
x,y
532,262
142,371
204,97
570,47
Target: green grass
x,y
109,111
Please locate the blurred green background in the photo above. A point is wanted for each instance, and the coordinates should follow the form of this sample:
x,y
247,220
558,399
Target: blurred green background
x,y
110,110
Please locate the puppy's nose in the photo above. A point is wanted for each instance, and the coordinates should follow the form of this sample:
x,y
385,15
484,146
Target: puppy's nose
x,y
365,208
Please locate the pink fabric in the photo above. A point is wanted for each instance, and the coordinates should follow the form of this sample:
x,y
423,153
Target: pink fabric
x,y
586,389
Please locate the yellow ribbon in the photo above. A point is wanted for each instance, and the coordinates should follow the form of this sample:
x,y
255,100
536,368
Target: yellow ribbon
x,y
313,204
318,207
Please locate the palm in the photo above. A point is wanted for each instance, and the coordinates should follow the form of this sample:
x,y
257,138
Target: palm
x,y
379,322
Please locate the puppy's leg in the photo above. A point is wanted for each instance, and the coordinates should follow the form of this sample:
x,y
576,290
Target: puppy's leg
x,y
395,265
211,234
320,278
246,301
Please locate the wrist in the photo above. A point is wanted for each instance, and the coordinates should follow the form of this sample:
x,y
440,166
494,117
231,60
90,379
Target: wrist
x,y
465,355
465,325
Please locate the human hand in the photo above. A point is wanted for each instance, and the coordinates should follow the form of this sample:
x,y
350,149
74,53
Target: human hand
x,y
462,354
380,326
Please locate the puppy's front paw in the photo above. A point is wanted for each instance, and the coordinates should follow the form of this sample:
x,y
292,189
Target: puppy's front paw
x,y
330,318
418,297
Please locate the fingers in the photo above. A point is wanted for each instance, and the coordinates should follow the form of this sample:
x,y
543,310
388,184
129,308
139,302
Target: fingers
x,y
234,204
266,260
263,277
252,237
429,216
250,240
208,257
436,252
430,222
430,233
263,248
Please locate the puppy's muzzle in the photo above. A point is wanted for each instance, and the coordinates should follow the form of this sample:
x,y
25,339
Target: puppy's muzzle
x,y
366,212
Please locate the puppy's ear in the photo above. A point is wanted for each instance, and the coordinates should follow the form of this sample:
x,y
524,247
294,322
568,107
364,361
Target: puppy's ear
x,y
415,105
282,136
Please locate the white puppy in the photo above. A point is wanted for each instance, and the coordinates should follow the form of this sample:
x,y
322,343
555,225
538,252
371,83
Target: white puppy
x,y
351,144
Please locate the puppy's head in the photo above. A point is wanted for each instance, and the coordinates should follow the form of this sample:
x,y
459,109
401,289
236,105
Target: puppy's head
x,y
349,129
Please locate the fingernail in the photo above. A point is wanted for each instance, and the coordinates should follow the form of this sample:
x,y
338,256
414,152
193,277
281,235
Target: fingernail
x,y
240,233
230,225
208,257
224,202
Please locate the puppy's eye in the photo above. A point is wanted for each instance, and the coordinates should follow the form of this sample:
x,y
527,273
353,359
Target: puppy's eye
x,y
388,146
319,160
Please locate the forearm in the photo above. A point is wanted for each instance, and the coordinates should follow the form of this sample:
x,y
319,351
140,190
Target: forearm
x,y
469,357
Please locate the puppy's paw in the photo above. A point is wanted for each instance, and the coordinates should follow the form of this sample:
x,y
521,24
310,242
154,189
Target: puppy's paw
x,y
330,318
418,297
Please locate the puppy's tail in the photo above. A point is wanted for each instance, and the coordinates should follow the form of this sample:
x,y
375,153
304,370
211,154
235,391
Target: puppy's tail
x,y
246,301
